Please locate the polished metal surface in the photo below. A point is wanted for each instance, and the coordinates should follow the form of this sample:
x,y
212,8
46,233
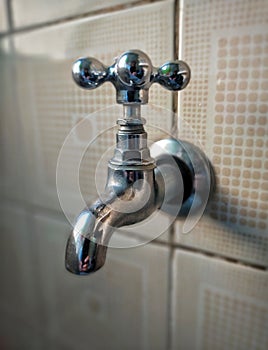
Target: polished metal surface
x,y
195,168
131,146
137,184
132,74
130,197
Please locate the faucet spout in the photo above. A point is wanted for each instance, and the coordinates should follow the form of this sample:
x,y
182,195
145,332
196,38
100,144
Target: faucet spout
x,y
130,197
132,194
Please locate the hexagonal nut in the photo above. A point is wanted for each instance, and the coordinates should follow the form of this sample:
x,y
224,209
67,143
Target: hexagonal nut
x,y
130,155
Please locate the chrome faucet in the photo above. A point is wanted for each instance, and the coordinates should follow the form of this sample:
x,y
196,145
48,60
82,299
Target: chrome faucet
x,y
135,185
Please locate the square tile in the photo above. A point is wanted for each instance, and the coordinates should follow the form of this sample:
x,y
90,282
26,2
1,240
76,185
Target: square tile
x,y
18,293
218,305
51,104
122,305
224,108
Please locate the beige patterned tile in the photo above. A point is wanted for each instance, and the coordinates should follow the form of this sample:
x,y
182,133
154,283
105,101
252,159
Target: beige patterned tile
x,y
123,305
225,107
218,305
30,12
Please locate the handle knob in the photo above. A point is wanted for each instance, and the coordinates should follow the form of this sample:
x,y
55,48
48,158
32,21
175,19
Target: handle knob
x,y
132,74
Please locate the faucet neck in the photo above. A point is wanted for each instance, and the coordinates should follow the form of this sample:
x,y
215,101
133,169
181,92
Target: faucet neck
x,y
131,115
132,111
131,149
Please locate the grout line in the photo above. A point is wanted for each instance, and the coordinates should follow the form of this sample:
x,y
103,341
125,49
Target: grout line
x,y
174,131
33,208
212,255
102,11
170,287
9,15
180,27
174,125
180,6
170,299
176,28
54,213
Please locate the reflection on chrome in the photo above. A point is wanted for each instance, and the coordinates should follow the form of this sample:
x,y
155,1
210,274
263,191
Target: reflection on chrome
x,y
137,184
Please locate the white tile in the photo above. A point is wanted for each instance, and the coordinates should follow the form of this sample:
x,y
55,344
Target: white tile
x,y
3,16
18,289
123,305
12,156
30,12
218,305
51,104
224,107
157,230
17,335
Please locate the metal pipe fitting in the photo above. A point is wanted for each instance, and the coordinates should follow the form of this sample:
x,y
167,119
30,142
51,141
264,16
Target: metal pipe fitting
x,y
131,195
137,183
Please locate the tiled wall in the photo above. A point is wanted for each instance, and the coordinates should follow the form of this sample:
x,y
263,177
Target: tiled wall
x,y
203,290
226,105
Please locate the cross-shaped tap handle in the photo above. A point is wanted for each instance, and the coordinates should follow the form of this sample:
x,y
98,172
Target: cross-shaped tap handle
x,y
132,74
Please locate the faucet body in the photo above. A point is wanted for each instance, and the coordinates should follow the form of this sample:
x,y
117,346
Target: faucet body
x,y
131,195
